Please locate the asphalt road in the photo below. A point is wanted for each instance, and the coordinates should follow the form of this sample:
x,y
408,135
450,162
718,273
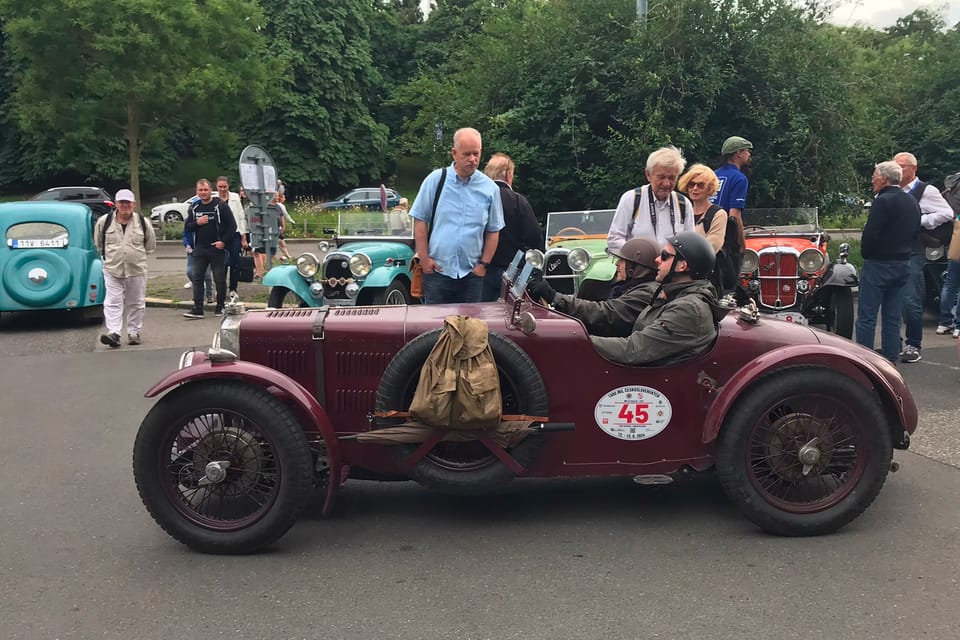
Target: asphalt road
x,y
80,557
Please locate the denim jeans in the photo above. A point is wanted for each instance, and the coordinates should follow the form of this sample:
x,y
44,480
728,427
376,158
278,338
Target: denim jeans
x,y
208,277
491,284
949,294
233,261
439,289
882,284
913,301
216,260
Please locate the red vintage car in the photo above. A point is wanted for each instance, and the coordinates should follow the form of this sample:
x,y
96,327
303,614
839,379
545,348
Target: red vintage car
x,y
787,271
798,424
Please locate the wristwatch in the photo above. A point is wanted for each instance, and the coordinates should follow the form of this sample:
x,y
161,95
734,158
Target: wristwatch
x,y
485,264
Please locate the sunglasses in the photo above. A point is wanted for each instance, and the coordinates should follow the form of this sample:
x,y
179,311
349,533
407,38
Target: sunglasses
x,y
666,256
697,185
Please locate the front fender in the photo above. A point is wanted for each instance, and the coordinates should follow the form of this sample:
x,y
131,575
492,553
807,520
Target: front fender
x,y
278,384
288,276
825,356
842,275
600,269
383,276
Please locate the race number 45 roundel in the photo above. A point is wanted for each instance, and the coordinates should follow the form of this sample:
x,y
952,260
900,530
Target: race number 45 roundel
x,y
633,413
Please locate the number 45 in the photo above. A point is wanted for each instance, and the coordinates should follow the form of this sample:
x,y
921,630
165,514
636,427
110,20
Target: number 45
x,y
640,415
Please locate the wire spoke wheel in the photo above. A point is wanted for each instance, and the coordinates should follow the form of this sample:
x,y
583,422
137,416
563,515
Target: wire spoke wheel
x,y
221,471
807,453
804,451
223,467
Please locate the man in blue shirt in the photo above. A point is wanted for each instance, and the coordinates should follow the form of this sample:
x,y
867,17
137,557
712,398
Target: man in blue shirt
x,y
732,194
456,239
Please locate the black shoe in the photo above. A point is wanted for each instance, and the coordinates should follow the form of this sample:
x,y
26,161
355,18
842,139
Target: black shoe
x,y
193,314
112,340
218,311
133,339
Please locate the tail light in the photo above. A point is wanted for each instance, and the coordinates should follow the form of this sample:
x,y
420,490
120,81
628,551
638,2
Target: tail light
x,y
109,203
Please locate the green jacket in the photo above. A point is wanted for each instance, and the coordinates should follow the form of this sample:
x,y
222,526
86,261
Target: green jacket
x,y
677,327
613,317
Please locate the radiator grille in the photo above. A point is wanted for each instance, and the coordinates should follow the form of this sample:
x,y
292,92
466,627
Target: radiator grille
x,y
778,280
558,272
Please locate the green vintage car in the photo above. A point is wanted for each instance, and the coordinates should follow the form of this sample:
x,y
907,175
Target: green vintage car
x,y
48,260
576,260
366,263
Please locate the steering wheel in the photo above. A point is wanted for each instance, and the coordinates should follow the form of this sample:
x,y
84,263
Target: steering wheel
x,y
754,227
576,231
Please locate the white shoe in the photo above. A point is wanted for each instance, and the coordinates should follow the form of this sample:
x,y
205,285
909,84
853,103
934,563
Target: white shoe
x,y
943,330
189,285
956,333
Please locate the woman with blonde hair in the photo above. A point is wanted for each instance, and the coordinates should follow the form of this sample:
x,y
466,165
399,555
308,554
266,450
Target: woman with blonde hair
x,y
699,183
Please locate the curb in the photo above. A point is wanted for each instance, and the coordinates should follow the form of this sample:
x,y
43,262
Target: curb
x,y
184,304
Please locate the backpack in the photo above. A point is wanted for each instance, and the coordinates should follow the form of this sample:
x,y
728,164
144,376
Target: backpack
x,y
724,275
459,385
939,236
106,225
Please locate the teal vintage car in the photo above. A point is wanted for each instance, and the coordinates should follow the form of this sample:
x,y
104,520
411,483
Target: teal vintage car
x,y
48,260
366,263
576,260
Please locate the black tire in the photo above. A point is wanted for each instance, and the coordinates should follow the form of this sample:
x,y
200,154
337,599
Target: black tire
x,y
172,216
466,468
774,422
267,484
840,313
281,297
396,294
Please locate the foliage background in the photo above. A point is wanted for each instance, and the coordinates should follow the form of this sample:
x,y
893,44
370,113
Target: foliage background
x,y
346,92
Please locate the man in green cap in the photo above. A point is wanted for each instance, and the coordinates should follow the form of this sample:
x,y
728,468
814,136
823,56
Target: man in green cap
x,y
732,194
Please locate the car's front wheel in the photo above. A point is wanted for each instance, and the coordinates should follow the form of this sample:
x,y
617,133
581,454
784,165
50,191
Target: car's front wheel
x,y
223,467
281,297
397,293
804,451
172,216
840,312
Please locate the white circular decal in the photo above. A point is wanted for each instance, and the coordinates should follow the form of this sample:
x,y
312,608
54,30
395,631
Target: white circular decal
x,y
633,413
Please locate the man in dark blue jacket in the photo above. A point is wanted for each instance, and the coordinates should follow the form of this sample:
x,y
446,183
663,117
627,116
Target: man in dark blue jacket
x,y
214,227
886,244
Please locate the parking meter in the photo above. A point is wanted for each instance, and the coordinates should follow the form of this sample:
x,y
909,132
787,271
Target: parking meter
x,y
258,175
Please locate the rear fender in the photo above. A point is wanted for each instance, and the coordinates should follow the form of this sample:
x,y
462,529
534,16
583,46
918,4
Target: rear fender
x,y
313,417
825,356
288,276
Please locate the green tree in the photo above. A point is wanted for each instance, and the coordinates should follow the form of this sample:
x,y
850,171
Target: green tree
x,y
161,63
316,122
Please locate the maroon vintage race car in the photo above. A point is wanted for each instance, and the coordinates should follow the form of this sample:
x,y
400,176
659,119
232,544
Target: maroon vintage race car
x,y
799,424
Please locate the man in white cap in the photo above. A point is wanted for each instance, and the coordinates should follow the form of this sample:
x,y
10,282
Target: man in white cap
x,y
124,240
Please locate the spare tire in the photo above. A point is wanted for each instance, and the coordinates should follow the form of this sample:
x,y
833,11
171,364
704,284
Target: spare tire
x,y
466,467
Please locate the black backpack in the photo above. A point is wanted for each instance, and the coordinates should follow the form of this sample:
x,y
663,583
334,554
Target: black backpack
x,y
728,258
939,236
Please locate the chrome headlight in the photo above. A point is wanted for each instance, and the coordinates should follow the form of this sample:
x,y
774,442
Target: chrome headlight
x,y
324,246
228,338
749,262
360,265
534,257
933,253
578,259
811,260
307,265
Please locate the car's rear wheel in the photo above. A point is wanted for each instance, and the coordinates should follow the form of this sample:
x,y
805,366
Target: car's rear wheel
x,y
282,297
222,467
172,216
466,467
804,451
840,312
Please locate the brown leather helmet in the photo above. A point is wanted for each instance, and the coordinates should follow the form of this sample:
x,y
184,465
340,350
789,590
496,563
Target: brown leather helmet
x,y
640,251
